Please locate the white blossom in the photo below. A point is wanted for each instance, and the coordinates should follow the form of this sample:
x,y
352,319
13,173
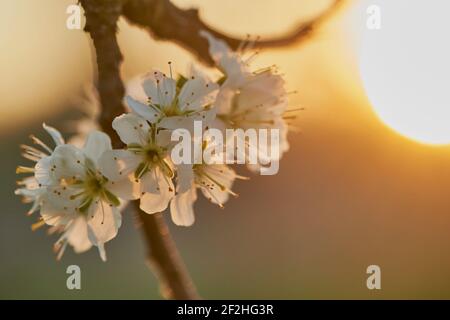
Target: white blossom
x,y
248,99
214,180
173,104
72,193
146,159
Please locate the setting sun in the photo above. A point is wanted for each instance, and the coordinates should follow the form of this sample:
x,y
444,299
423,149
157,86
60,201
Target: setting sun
x,y
405,68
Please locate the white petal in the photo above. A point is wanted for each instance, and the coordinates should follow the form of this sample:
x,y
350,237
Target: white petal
x,y
127,188
102,251
224,176
197,93
131,128
228,61
42,171
163,138
55,217
182,207
103,222
263,90
217,48
145,111
55,134
153,203
187,122
77,235
67,161
160,89
224,101
149,182
176,122
118,164
157,202
96,143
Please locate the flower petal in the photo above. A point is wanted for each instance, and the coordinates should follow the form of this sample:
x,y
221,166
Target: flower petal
x,y
160,89
187,122
118,164
42,171
217,48
229,62
127,188
55,134
54,216
196,93
216,182
153,201
104,222
131,128
96,143
164,139
182,207
77,235
145,111
66,162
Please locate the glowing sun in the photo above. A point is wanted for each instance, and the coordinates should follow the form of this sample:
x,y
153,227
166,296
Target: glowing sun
x,y
405,66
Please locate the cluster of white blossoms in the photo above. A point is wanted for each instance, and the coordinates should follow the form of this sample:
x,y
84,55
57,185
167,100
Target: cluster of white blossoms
x,y
79,191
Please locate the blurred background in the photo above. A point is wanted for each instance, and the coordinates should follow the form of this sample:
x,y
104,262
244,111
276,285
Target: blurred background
x,y
350,193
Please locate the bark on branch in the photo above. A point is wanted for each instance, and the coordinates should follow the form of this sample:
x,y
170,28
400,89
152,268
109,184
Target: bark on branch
x,y
101,24
174,280
165,21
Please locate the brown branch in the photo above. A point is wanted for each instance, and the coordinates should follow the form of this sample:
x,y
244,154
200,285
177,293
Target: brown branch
x,y
166,21
175,282
101,24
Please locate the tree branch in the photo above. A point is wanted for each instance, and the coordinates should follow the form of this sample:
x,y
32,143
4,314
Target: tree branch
x,y
101,24
165,21
164,258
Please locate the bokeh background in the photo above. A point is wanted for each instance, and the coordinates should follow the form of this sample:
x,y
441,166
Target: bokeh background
x,y
350,192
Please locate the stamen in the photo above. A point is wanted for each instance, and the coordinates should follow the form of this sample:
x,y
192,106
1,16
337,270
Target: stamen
x,y
74,196
221,186
295,109
31,153
40,143
37,225
251,58
170,69
243,43
214,197
103,212
61,250
22,169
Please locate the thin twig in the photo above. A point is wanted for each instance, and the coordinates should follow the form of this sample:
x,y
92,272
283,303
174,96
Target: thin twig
x,y
101,23
165,21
